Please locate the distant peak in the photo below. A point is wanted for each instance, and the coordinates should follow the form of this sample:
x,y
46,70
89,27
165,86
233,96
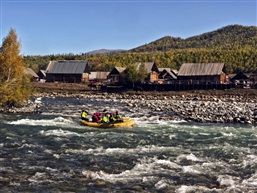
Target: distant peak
x,y
104,51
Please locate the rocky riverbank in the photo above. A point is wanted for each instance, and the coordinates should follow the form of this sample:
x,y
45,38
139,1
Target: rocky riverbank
x,y
190,106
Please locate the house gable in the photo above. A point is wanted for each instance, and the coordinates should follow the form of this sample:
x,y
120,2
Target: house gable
x,y
116,71
41,74
167,73
115,74
240,76
149,66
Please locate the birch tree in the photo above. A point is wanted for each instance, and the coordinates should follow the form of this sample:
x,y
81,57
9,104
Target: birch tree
x,y
15,85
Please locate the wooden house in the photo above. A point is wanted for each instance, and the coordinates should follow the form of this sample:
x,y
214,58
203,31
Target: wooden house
x,y
67,71
33,76
242,80
240,76
152,70
202,73
167,75
115,75
98,76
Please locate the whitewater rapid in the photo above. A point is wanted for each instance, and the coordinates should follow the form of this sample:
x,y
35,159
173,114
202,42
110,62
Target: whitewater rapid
x,y
52,152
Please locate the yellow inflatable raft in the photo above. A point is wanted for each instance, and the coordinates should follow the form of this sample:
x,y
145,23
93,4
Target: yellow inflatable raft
x,y
125,123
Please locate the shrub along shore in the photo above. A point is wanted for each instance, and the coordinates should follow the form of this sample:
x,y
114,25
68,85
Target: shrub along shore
x,y
213,106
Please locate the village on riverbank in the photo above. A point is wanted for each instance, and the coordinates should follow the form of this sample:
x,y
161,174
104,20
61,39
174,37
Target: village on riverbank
x,y
205,106
197,92
145,76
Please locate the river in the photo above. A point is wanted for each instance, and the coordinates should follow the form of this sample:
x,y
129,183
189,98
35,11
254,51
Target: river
x,y
52,152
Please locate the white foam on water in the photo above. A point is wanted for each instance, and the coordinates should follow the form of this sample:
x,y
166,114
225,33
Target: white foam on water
x,y
205,134
66,113
59,133
213,165
151,122
51,169
57,156
48,151
198,165
249,160
173,136
251,182
162,184
123,151
178,121
59,121
141,171
226,180
40,177
195,169
228,134
254,135
6,169
187,189
226,147
154,118
26,145
190,156
236,184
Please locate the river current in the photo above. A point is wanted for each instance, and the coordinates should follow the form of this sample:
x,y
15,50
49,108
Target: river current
x,y
52,152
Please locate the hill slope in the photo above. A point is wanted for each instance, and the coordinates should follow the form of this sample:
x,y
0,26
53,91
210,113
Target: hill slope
x,y
226,38
104,51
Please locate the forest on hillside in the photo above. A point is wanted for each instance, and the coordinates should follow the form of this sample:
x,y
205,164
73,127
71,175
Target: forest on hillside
x,y
229,37
233,45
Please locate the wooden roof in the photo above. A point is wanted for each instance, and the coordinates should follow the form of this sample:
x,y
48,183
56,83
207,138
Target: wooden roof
x,y
67,67
117,70
241,76
98,75
43,72
162,69
150,66
120,69
30,72
165,71
201,69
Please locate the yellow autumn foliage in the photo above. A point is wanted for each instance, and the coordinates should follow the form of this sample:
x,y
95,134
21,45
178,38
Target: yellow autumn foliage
x,y
14,84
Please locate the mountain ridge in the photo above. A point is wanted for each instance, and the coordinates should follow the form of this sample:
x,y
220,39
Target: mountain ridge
x,y
104,51
225,37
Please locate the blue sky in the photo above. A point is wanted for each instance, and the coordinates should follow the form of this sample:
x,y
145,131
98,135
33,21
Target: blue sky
x,y
79,26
